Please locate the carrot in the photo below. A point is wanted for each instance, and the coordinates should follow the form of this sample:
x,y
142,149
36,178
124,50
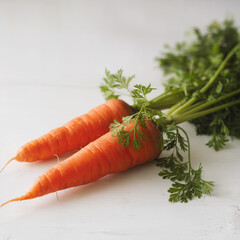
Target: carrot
x,y
75,134
99,158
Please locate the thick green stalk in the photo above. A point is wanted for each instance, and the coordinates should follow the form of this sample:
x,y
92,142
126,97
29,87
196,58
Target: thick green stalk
x,y
166,99
188,117
173,108
194,106
210,82
207,104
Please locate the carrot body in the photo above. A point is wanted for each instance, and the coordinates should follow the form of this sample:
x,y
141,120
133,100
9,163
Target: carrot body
x,y
99,158
75,134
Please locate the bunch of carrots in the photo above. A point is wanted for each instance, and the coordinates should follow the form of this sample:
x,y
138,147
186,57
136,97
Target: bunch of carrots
x,y
100,152
136,136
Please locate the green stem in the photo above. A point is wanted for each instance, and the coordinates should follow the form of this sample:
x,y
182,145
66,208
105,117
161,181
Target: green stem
x,y
195,105
173,108
210,82
188,142
207,104
205,112
170,97
167,93
164,99
221,67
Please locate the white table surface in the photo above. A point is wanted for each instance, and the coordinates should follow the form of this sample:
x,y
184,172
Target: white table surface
x,y
52,57
129,205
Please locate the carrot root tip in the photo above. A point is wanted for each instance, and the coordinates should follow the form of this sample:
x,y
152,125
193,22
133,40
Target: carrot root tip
x,y
12,200
7,163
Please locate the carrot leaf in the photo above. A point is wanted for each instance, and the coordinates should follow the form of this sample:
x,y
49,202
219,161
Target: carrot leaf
x,y
115,82
187,182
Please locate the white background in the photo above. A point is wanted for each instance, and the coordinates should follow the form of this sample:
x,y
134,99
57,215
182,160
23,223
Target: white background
x,y
72,42
52,59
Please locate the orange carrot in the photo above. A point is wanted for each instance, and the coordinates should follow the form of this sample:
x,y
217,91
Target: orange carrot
x,y
75,134
99,158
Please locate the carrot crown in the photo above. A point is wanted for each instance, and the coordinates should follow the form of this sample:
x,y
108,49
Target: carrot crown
x,y
182,106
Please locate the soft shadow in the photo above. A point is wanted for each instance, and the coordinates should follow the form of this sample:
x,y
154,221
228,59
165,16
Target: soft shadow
x,y
111,181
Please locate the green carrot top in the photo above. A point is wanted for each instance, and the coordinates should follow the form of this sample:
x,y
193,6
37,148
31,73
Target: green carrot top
x,y
203,94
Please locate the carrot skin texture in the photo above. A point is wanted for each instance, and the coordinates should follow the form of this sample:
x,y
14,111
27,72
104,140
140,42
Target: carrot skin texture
x,y
99,158
75,134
